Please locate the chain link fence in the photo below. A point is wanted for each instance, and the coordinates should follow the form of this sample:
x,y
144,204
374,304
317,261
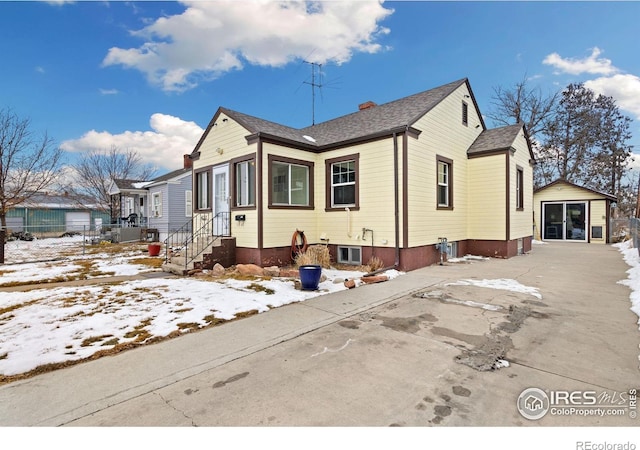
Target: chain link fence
x,y
39,243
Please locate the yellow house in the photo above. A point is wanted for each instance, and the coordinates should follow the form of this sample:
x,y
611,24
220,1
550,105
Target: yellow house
x,y
390,180
564,211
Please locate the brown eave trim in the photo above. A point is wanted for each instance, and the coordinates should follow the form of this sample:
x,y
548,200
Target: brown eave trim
x,y
492,152
273,139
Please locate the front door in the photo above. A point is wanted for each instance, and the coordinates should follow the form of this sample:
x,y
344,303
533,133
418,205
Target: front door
x,y
565,221
221,201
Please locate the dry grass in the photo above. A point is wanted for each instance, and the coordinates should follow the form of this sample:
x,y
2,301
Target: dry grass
x,y
315,255
374,264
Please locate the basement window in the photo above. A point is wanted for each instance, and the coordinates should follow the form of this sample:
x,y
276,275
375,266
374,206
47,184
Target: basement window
x,y
350,255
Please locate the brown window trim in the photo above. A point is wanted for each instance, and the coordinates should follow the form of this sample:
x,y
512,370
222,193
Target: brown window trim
x,y
519,189
448,161
327,164
234,187
196,192
299,162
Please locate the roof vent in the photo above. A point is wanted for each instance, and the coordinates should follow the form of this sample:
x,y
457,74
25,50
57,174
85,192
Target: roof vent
x,y
366,105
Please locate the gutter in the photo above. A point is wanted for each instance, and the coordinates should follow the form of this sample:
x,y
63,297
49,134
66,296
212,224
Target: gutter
x,y
396,192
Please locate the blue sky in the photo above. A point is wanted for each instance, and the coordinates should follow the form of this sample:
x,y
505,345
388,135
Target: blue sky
x,y
150,75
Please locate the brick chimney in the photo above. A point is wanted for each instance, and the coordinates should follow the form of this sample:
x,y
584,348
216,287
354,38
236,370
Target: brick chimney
x,y
366,105
188,163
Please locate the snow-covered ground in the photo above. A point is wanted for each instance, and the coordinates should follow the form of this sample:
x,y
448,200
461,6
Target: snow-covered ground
x,y
630,255
56,325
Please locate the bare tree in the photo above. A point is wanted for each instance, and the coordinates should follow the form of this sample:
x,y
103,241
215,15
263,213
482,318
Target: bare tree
x,y
586,142
522,104
28,162
96,170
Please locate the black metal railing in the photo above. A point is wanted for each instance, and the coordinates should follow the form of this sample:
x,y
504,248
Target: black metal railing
x,y
188,242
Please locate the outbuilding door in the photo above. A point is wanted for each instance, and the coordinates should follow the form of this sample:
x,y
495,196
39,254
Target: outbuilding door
x,y
565,221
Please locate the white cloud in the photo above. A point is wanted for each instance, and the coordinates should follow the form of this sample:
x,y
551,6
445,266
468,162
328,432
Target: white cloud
x,y
211,38
591,64
109,91
624,88
40,69
164,147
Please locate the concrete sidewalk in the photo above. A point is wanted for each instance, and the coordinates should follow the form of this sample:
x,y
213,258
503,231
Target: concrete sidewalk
x,y
377,355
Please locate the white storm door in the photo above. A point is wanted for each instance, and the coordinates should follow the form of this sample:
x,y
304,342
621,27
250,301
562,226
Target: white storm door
x,y
221,200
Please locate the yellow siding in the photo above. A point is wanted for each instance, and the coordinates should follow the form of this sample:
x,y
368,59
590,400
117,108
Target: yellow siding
x,y
443,135
376,189
280,224
521,222
229,137
487,200
598,218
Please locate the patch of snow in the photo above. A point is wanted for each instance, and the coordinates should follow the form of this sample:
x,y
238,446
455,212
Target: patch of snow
x,y
499,364
501,284
536,242
309,138
47,326
468,258
631,257
473,304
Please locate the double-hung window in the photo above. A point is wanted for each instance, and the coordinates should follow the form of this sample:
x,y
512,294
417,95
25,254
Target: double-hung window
x,y
203,189
156,204
445,183
245,175
342,182
188,203
291,183
519,188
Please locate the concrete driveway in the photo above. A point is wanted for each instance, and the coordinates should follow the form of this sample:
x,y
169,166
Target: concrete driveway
x,y
416,351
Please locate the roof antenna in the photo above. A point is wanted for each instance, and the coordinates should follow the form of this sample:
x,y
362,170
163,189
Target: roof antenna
x,y
314,85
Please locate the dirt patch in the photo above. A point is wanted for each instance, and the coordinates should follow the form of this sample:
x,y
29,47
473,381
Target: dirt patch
x,y
406,324
350,324
471,339
485,356
515,318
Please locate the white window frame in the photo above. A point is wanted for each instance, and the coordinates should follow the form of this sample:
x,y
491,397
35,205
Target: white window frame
x,y
289,185
348,183
519,187
156,204
444,184
244,190
203,188
188,203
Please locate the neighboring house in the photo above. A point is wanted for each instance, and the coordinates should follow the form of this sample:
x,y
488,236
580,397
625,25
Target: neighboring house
x,y
564,211
128,202
162,204
56,213
388,180
169,200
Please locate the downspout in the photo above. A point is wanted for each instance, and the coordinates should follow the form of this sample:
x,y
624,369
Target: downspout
x,y
396,193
